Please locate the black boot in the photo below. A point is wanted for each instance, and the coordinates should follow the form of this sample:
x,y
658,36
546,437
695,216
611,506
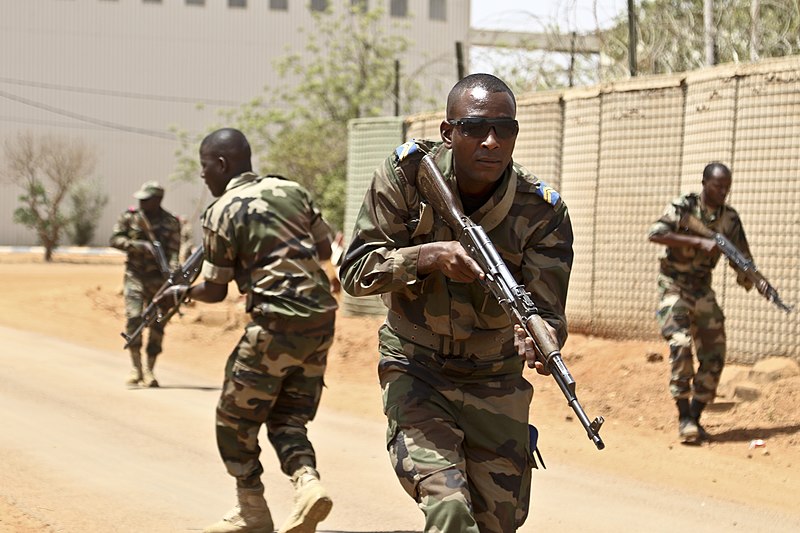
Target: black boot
x,y
695,410
687,426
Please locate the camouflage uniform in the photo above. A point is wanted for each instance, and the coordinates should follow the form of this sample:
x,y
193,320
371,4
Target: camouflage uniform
x,y
261,233
187,240
142,275
453,391
687,308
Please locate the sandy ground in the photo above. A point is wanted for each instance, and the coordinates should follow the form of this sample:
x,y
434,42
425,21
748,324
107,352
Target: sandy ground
x,y
72,308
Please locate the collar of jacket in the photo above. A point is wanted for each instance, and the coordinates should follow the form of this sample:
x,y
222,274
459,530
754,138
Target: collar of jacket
x,y
497,207
241,179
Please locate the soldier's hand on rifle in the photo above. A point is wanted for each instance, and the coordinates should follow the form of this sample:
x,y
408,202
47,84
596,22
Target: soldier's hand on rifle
x,y
527,349
451,259
143,246
707,245
171,297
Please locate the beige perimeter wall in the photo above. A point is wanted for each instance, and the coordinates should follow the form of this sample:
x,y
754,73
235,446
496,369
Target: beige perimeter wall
x,y
619,153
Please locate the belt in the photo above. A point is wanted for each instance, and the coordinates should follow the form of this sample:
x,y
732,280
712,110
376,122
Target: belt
x,y
481,342
688,280
314,326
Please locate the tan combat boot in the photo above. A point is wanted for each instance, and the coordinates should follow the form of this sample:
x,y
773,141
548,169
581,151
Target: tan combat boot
x,y
251,515
148,378
311,502
135,377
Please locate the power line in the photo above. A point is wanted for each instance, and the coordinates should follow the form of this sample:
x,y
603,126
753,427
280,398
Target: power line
x,y
90,120
51,123
120,94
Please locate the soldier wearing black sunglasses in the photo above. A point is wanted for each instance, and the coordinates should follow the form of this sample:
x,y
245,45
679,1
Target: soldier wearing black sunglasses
x,y
451,364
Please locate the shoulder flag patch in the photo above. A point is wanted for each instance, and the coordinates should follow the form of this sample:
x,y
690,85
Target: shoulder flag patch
x,y
404,150
549,194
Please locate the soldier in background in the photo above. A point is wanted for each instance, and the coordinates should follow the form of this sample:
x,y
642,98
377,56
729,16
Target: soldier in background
x,y
136,233
450,364
688,310
265,234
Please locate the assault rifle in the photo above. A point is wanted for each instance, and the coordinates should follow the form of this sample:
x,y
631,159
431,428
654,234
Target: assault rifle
x,y
153,313
743,264
158,249
512,297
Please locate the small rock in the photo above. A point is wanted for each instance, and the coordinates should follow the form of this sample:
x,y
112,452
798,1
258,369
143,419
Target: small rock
x,y
773,369
746,392
654,357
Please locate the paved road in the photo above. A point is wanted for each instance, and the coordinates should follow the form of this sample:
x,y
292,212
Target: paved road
x,y
84,454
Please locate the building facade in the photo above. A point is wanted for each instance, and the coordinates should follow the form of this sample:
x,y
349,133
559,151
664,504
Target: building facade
x,y
123,75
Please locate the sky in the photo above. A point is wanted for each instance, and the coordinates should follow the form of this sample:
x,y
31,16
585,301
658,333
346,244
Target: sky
x,y
582,16
533,15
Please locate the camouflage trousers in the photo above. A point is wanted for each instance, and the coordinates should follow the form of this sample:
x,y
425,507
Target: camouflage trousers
x,y
686,317
275,379
458,440
138,292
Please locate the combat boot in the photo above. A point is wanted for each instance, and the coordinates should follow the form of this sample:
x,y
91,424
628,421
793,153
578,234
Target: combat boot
x,y
148,378
135,377
687,427
251,515
311,502
696,409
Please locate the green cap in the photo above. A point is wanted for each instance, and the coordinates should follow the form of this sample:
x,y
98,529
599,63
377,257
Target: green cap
x,y
148,190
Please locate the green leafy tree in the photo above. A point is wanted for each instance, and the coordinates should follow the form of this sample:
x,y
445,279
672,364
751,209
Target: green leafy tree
x,y
87,203
670,35
47,169
346,71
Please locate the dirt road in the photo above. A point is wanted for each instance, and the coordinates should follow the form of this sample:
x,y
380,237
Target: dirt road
x,y
81,453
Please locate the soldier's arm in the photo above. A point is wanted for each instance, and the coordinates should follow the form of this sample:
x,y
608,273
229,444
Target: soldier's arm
x,y
677,240
665,230
380,258
119,234
320,232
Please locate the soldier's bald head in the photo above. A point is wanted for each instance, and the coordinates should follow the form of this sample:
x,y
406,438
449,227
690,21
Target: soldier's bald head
x,y
229,143
486,82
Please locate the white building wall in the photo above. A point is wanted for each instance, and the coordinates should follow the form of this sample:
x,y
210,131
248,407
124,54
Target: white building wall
x,y
119,74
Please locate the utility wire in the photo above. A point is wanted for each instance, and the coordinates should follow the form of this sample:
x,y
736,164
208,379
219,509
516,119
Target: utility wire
x,y
90,120
120,94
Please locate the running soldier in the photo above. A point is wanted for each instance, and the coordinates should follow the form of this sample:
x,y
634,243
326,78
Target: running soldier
x,y
688,310
265,234
450,363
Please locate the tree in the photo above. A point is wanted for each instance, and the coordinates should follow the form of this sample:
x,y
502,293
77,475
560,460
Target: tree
x,y
347,71
87,206
671,34
47,169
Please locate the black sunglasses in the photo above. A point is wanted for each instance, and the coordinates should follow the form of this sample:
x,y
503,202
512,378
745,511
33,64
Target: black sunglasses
x,y
478,128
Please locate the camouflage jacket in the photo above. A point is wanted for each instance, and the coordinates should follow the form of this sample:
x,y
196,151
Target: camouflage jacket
x,y
166,229
261,233
526,221
691,267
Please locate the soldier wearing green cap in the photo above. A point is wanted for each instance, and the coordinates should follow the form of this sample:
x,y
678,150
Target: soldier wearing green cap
x,y
135,233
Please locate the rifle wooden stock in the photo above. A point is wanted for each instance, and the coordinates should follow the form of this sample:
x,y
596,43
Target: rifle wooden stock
x,y
744,265
511,296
